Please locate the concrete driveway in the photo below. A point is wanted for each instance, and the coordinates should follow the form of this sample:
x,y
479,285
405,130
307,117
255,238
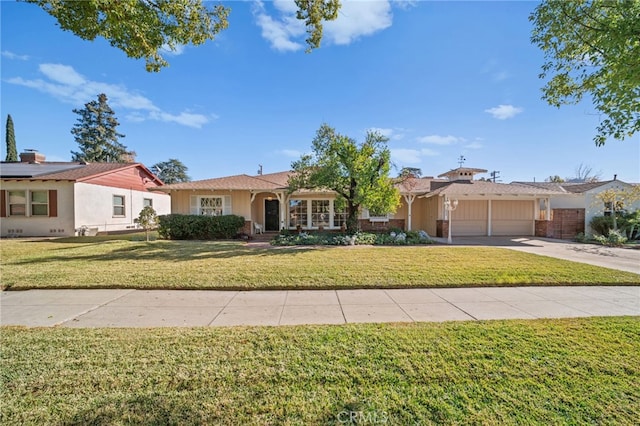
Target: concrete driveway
x,y
623,259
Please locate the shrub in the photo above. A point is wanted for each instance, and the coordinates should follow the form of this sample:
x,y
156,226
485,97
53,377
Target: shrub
x,y
628,224
359,238
602,224
194,227
614,239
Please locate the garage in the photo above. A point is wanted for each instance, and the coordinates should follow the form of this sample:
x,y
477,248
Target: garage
x,y
470,219
512,217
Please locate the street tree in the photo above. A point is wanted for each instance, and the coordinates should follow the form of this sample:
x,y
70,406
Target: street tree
x,y
147,219
591,49
97,136
171,171
554,179
410,172
143,29
10,138
358,173
584,173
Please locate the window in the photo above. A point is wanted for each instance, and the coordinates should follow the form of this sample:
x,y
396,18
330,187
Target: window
x,y
17,203
608,208
297,213
377,216
340,216
211,206
118,206
147,202
39,203
320,213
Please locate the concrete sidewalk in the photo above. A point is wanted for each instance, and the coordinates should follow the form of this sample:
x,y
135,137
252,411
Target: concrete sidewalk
x,y
177,308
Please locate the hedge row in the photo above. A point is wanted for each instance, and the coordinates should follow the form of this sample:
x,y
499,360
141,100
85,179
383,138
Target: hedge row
x,y
193,227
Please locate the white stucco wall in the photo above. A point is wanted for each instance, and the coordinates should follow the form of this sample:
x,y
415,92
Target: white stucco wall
x,y
39,226
595,207
94,206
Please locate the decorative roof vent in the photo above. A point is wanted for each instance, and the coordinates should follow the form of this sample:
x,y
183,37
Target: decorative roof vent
x,y
462,173
32,156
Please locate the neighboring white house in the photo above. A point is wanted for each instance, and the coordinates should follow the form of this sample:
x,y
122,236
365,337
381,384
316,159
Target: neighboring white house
x,y
39,198
572,195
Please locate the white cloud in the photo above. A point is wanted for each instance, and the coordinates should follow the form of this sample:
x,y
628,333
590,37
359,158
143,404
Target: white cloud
x,y
356,18
441,140
393,134
64,83
502,112
292,153
176,50
403,156
474,145
11,55
280,32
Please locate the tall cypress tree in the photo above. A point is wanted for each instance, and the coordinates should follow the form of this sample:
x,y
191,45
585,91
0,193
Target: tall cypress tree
x,y
12,152
96,134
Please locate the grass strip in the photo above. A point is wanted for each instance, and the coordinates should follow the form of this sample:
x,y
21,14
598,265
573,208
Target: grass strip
x,y
569,371
121,263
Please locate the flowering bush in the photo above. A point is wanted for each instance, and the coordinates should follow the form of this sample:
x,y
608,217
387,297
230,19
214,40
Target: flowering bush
x,y
359,238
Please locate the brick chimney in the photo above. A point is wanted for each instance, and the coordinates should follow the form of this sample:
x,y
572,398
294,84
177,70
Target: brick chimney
x,y
31,156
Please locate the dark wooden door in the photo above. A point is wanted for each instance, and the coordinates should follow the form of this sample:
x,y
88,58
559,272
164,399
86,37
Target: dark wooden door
x,y
271,215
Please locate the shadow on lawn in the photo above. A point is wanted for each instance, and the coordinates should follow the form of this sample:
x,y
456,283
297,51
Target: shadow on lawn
x,y
151,409
175,251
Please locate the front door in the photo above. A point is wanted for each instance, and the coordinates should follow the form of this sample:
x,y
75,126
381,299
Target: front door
x,y
271,215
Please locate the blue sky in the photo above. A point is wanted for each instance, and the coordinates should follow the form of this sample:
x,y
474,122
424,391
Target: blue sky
x,y
440,79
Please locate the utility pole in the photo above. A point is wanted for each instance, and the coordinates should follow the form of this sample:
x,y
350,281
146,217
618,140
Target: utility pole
x,y
259,169
494,175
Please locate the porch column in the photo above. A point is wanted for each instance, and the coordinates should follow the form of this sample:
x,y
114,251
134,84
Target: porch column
x,y
283,209
489,221
409,199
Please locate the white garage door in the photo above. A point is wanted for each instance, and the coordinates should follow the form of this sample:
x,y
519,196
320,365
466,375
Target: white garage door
x,y
470,219
512,218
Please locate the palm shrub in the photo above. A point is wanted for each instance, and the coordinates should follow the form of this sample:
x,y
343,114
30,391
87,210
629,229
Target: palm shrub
x,y
628,224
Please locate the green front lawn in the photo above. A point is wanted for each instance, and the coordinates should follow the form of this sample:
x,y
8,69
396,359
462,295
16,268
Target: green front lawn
x,y
570,371
92,262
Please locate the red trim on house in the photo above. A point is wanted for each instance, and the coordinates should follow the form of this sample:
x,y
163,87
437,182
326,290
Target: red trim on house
x,y
136,178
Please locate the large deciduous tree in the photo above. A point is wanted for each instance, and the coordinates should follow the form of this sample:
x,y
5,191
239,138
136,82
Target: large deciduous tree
x,y
142,29
97,136
171,171
358,173
592,48
10,139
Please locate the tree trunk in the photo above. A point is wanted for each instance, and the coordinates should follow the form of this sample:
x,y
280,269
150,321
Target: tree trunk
x,y
352,218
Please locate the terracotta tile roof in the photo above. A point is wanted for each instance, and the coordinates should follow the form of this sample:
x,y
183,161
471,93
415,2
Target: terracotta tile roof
x,y
477,187
60,171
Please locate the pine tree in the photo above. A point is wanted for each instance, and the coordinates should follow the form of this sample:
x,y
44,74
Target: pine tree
x,y
96,134
172,171
12,152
